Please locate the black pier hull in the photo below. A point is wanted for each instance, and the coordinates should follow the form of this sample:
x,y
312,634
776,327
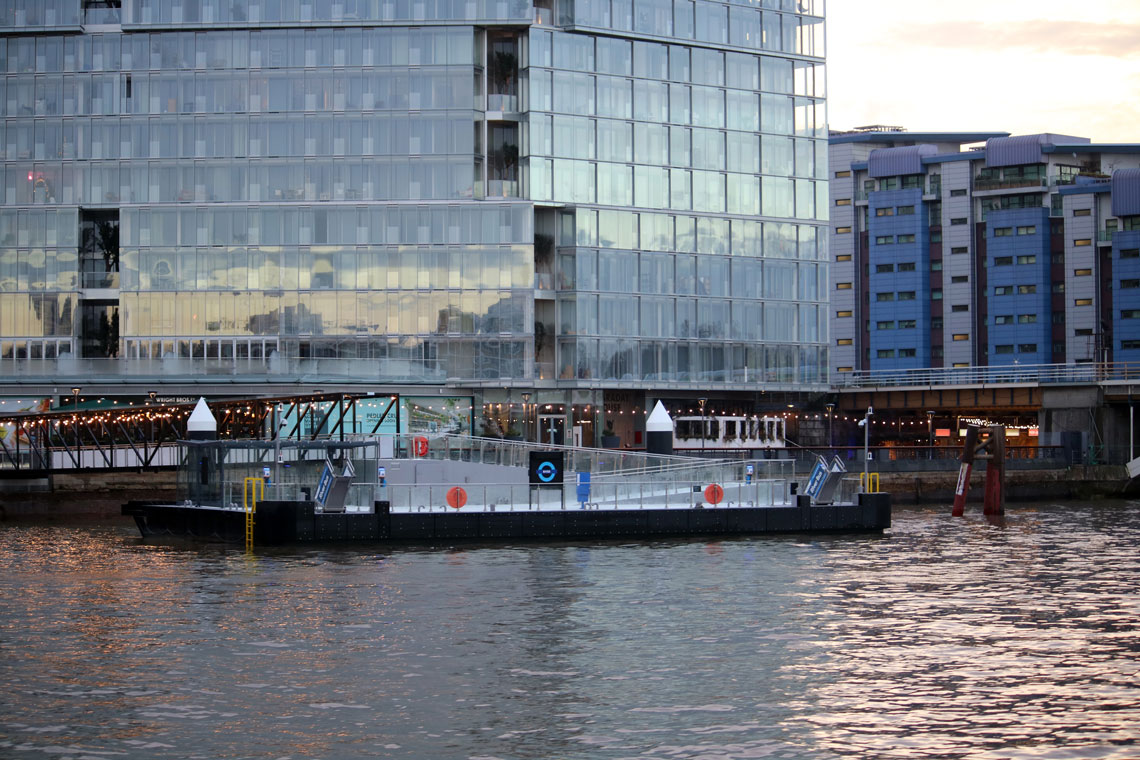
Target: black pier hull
x,y
288,522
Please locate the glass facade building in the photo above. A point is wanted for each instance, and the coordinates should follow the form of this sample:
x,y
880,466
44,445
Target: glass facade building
x,y
470,193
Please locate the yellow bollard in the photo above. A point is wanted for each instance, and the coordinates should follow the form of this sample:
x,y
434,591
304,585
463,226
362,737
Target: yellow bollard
x,y
869,482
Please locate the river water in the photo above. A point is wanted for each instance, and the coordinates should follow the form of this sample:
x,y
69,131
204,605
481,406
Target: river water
x,y
944,638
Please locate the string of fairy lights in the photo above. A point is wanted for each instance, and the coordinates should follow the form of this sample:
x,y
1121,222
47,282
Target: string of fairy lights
x,y
249,412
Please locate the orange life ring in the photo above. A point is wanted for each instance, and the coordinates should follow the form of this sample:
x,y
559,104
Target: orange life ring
x,y
420,446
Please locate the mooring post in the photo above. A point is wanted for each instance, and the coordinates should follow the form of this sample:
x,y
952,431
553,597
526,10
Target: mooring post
x,y
994,500
969,449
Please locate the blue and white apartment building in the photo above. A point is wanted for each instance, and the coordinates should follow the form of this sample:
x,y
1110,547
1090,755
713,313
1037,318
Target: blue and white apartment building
x,y
982,249
586,202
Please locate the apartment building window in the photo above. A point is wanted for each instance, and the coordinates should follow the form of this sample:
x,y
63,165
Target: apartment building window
x,y
1130,313
889,325
886,353
959,337
1058,287
1003,231
1129,345
907,324
936,323
884,297
1129,284
843,369
906,295
1082,242
904,210
958,279
1082,212
957,365
959,193
1082,302
1003,261
884,239
1082,272
1024,290
887,211
884,268
1003,319
906,238
936,265
1027,348
959,249
1029,259
843,341
906,266
1026,319
935,237
889,183
843,286
1006,348
936,352
1003,290
1059,318
842,201
958,220
1027,230
842,230
1083,332
907,353
844,314
936,294
1130,253
842,174
960,307
843,257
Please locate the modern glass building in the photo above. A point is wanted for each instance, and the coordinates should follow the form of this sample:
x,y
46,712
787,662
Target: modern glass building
x,y
597,202
982,249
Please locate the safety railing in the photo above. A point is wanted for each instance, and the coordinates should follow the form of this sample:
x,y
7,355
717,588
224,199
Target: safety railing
x,y
1007,374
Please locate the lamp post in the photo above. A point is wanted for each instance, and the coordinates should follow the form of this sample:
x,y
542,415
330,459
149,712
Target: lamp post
x,y
865,423
75,410
930,433
830,411
704,428
526,415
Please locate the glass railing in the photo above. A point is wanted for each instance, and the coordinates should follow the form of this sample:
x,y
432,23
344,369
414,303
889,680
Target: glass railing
x,y
101,280
501,102
502,188
1105,236
1006,184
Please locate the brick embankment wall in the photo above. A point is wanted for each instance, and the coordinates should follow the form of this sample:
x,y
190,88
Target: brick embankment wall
x,y
1070,483
94,495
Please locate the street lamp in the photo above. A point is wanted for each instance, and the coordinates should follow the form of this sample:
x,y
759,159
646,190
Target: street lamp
x,y
830,411
75,409
865,423
930,433
704,428
526,415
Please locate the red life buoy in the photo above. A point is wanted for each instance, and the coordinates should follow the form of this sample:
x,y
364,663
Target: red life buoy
x,y
420,446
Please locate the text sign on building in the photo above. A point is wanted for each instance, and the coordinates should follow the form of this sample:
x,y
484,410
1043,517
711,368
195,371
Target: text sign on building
x,y
546,469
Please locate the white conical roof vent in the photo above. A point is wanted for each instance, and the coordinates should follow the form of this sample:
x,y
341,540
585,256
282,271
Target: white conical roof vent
x,y
202,419
659,420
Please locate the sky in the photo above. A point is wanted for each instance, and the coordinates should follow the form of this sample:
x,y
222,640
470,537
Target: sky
x,y
1017,66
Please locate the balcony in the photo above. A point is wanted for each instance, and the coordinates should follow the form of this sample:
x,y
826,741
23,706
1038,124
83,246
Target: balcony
x,y
982,185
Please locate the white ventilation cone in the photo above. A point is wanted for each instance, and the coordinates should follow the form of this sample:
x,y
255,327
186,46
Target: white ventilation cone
x,y
201,426
659,431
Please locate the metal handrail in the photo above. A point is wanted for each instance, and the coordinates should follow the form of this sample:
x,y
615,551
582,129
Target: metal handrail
x,y
1098,372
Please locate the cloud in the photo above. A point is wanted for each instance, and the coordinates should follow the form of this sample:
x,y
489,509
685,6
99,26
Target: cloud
x,y
1111,39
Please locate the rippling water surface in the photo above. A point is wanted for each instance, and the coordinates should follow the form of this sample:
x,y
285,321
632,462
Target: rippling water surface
x,y
945,638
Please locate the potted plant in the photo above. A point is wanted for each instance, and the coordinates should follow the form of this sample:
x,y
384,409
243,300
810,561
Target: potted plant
x,y
610,439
